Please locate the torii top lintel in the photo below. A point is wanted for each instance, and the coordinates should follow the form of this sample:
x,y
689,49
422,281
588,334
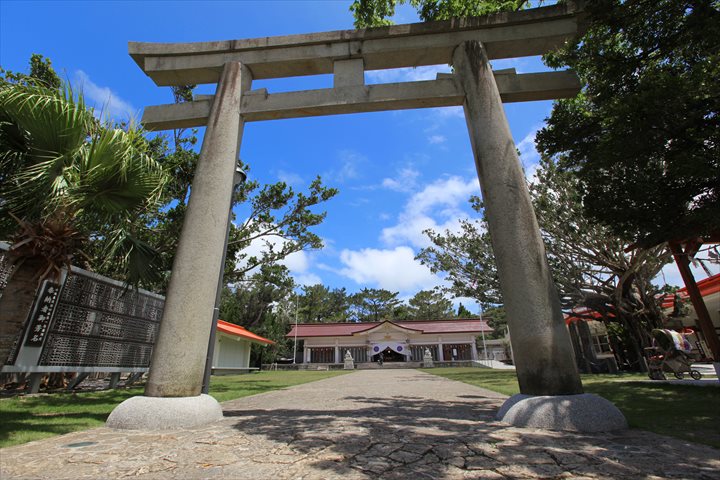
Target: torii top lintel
x,y
505,35
349,53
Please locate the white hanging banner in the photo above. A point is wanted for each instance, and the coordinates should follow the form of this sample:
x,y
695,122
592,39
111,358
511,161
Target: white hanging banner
x,y
399,347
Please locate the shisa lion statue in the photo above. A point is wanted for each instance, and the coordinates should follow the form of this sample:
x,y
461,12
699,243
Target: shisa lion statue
x,y
349,362
427,359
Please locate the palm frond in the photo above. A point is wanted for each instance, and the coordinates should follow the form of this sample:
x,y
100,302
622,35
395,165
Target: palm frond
x,y
138,259
115,176
55,120
58,159
43,132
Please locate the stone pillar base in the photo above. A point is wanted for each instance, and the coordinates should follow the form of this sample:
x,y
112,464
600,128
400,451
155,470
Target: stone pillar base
x,y
577,413
164,413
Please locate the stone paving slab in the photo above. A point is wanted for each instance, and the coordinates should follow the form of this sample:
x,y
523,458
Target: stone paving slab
x,y
388,424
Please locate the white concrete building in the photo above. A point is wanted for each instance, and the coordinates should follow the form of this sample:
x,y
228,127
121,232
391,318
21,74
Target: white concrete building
x,y
232,348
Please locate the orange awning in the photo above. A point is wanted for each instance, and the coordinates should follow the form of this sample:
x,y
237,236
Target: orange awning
x,y
238,331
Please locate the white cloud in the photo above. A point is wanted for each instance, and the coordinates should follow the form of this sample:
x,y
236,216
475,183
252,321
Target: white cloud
x,y
394,270
409,74
290,178
411,228
671,275
350,167
448,112
307,279
405,181
447,192
436,139
443,199
529,156
297,262
359,201
106,102
435,122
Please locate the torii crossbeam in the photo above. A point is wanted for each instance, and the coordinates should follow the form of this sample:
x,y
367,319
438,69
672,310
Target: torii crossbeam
x,y
543,354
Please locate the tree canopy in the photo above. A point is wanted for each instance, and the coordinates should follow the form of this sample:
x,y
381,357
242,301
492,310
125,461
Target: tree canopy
x,y
588,262
318,303
644,135
374,304
430,305
41,74
66,177
377,13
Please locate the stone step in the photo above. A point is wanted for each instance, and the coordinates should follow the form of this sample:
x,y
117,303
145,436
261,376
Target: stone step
x,y
386,365
494,364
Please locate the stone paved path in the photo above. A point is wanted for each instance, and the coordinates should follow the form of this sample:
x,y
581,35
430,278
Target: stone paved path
x,y
392,424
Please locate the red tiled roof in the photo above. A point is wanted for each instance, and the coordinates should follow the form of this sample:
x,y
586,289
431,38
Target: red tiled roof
x,y
238,331
373,325
450,326
464,325
707,286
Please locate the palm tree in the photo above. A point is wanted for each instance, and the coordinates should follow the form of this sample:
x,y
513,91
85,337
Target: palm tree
x,y
64,178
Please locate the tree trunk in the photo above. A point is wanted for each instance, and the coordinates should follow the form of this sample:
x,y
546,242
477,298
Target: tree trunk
x,y
15,304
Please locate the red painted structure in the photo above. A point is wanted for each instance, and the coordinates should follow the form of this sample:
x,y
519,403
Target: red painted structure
x,y
707,287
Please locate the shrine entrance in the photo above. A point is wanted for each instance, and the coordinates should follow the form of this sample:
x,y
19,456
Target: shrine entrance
x,y
390,355
543,352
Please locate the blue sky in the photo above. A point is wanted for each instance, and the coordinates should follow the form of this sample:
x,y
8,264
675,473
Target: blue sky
x,y
398,172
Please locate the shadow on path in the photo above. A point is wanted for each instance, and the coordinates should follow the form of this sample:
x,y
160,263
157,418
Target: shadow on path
x,y
413,437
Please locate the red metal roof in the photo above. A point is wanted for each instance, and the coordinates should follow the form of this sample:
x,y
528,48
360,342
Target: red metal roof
x,y
707,286
238,331
584,314
460,325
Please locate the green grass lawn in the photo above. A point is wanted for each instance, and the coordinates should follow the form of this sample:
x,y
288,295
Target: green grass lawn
x,y
681,411
28,418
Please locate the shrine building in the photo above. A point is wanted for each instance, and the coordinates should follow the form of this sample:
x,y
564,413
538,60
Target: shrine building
x,y
401,341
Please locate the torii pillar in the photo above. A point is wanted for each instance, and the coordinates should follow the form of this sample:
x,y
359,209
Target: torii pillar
x,y
551,392
172,395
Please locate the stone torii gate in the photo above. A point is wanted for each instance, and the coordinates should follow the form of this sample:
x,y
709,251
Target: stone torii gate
x,y
552,394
